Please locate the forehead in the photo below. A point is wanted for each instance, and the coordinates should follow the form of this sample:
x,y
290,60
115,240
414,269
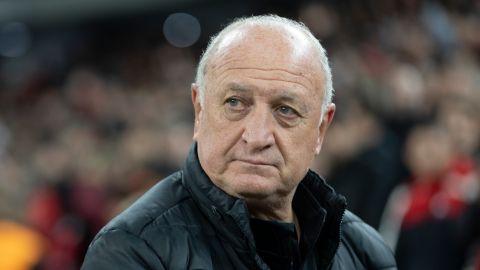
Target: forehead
x,y
282,37
282,51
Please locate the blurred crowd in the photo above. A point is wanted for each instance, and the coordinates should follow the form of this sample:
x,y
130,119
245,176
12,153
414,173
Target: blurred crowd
x,y
404,147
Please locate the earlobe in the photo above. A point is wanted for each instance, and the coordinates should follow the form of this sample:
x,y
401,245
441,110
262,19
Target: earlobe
x,y
326,121
197,107
318,148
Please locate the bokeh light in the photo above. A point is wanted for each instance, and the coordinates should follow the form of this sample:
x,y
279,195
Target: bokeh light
x,y
181,29
15,39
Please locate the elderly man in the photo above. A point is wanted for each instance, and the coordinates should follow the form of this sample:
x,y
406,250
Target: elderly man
x,y
246,198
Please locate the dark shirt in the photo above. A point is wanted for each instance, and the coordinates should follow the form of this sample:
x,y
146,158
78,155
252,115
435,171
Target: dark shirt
x,y
277,242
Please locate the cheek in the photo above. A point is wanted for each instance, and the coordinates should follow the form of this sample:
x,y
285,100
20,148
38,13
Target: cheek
x,y
305,140
299,147
216,135
215,120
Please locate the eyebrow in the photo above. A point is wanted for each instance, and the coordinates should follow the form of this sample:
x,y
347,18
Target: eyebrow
x,y
281,95
236,87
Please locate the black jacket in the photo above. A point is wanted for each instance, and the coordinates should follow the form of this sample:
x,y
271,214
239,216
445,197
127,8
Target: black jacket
x,y
186,222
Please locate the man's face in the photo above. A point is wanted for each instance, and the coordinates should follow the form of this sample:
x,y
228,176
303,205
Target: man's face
x,y
260,125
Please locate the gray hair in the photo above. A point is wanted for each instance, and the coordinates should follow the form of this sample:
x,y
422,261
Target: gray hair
x,y
270,20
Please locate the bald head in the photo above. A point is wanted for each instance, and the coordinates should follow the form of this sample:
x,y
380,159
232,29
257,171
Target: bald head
x,y
254,35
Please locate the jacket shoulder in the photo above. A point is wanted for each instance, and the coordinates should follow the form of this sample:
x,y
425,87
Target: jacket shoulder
x,y
150,207
366,243
133,239
119,249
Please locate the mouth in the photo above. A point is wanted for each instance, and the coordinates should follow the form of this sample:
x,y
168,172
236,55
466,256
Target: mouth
x,y
256,162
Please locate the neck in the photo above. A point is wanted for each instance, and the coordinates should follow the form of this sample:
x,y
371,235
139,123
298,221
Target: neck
x,y
279,209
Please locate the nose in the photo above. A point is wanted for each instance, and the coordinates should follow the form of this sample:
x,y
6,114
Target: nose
x,y
258,132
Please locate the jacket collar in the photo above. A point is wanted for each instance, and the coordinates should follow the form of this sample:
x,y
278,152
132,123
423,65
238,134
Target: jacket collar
x,y
216,204
230,216
334,205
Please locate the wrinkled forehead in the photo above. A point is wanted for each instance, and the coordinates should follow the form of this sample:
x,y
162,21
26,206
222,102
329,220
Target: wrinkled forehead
x,y
281,37
268,46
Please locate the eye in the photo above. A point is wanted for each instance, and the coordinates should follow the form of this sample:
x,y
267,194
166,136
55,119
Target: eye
x,y
235,108
233,102
287,115
235,105
287,111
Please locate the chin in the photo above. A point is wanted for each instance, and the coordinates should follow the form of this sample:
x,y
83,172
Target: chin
x,y
253,186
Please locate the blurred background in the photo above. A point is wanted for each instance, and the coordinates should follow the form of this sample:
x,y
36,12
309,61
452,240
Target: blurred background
x,y
95,108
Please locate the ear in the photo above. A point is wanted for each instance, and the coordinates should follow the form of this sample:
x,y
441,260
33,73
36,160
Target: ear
x,y
326,121
197,107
